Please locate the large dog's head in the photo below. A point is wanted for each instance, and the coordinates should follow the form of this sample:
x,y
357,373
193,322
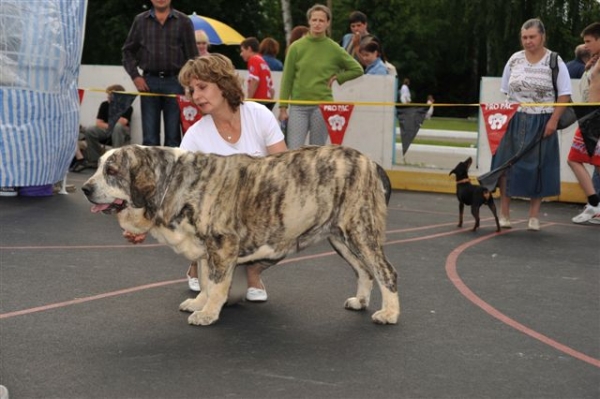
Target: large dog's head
x,y
133,176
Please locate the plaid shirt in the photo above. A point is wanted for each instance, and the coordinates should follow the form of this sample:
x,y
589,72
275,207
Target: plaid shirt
x,y
154,48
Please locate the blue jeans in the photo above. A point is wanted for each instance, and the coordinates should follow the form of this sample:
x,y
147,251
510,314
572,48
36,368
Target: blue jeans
x,y
152,106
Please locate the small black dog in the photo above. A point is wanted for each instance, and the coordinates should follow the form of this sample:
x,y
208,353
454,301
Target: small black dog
x,y
468,194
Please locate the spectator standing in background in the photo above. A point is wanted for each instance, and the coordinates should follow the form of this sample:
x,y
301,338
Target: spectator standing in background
x,y
297,32
159,42
202,43
269,48
405,92
536,174
576,66
260,83
311,66
430,101
589,86
371,59
359,36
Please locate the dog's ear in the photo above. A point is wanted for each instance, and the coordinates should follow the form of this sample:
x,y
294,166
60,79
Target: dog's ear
x,y
143,180
452,171
469,161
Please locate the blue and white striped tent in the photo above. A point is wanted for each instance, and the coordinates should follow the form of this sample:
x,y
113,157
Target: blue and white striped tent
x,y
39,103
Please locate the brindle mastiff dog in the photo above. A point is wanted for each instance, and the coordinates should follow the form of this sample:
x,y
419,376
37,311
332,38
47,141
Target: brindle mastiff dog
x,y
228,210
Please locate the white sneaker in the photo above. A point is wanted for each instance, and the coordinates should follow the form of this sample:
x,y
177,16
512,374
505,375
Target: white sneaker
x,y
589,212
256,295
504,222
534,224
193,283
594,220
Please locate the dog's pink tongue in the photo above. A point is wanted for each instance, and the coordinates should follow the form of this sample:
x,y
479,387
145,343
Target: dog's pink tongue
x,y
99,208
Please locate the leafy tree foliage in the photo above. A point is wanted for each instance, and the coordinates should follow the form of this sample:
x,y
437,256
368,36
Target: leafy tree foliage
x,y
443,46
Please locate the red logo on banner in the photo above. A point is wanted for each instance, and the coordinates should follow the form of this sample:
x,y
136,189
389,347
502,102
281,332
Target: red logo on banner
x,y
189,113
496,117
80,92
336,118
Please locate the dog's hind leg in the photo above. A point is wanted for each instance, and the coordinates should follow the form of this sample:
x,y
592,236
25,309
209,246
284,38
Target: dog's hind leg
x,y
363,276
386,277
368,255
475,213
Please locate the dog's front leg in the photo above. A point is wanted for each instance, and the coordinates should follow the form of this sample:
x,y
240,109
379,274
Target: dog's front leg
x,y
461,211
197,303
222,259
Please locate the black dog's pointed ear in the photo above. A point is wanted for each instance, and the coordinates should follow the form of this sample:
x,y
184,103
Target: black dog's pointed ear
x,y
452,171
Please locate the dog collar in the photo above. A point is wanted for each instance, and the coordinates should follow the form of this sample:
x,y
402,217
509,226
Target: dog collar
x,y
465,180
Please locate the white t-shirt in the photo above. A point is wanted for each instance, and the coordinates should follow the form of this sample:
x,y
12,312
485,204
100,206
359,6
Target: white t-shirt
x,y
259,130
532,83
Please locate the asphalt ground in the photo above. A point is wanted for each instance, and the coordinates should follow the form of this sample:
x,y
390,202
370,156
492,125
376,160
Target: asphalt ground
x,y
84,314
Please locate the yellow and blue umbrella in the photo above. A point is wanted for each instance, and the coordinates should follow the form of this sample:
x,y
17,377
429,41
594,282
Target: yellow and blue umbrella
x,y
217,31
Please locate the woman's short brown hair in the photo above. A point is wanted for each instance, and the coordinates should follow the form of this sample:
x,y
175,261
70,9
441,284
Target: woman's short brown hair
x,y
218,69
269,46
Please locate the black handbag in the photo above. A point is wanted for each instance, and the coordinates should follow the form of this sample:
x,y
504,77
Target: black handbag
x,y
568,117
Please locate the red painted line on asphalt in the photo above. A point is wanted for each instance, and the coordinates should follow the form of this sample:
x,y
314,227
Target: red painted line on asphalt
x,y
451,271
36,247
160,284
88,299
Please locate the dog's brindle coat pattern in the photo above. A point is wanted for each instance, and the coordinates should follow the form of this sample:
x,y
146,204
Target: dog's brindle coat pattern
x,y
224,211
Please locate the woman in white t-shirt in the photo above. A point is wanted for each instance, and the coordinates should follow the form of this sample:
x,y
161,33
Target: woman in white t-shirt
x,y
229,125
527,79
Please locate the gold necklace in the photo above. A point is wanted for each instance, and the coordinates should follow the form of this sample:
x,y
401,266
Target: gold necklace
x,y
222,131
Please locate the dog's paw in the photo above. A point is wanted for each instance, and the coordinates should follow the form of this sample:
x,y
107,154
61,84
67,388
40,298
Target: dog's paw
x,y
191,305
385,317
355,303
200,318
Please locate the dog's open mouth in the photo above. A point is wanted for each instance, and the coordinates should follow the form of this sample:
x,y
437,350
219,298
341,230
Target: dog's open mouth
x,y
115,207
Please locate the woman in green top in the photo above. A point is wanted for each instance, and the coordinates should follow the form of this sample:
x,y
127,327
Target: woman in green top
x,y
311,66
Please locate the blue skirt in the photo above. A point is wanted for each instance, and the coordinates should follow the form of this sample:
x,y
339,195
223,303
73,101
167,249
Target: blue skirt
x,y
537,173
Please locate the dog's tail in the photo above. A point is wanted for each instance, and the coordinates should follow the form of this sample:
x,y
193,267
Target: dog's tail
x,y
385,180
